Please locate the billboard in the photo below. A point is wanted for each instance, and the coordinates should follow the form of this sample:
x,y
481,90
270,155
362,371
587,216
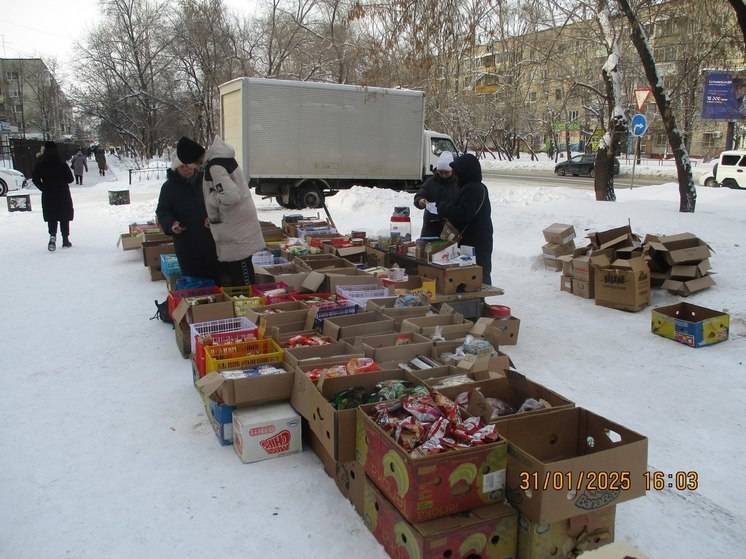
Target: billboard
x,y
724,96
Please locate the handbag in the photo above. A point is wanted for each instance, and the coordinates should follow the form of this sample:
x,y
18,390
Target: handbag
x,y
452,233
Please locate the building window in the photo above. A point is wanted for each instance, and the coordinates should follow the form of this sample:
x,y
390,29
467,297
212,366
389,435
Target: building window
x,y
532,97
660,140
572,116
11,76
709,140
557,94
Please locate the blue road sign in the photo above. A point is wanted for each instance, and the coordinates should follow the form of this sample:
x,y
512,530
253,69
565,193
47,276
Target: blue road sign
x,y
639,125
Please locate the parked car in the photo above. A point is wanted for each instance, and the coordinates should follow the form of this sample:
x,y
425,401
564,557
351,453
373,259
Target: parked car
x,y
584,164
10,179
730,170
707,177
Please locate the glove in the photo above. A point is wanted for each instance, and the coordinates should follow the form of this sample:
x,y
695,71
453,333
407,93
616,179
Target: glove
x,y
432,207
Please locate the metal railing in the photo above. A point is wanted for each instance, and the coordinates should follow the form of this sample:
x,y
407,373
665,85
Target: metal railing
x,y
147,173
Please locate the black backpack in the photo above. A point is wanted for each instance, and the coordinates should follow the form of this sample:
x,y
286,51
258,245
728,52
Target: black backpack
x,y
162,312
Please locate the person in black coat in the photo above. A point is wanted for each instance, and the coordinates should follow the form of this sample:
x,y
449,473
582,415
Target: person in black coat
x,y
471,212
52,176
441,187
181,212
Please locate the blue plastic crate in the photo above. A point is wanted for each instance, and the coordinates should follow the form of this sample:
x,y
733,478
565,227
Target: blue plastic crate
x,y
193,282
170,266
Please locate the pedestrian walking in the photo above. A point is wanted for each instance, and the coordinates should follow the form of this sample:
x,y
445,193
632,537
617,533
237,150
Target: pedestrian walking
x,y
78,165
52,176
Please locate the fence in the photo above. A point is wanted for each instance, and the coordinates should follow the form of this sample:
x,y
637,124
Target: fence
x,y
148,173
653,162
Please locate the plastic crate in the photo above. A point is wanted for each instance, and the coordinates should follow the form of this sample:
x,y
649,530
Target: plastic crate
x,y
342,308
175,297
193,282
218,327
242,298
359,294
241,355
218,338
170,266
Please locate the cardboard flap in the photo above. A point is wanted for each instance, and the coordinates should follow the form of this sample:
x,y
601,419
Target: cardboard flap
x,y
180,311
313,282
481,325
210,384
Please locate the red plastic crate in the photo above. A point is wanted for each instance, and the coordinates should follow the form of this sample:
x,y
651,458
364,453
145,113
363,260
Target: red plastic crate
x,y
261,289
220,338
175,297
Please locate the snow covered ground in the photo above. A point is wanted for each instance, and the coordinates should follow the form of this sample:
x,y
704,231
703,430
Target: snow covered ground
x,y
105,450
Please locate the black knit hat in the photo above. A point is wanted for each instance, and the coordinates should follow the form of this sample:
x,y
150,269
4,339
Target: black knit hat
x,y
188,151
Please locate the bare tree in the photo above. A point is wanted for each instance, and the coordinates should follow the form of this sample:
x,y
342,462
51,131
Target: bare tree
x,y
687,190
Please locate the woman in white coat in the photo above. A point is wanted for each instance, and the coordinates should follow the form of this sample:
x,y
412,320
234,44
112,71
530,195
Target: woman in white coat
x,y
231,214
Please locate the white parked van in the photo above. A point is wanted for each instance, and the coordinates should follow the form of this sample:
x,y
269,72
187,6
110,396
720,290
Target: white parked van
x,y
730,171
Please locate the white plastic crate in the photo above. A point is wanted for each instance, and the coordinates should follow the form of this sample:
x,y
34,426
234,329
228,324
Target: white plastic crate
x,y
263,258
218,327
359,294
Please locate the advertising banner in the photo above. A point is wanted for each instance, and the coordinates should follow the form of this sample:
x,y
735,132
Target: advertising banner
x,y
724,96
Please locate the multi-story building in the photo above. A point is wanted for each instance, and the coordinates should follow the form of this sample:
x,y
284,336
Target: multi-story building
x,y
547,87
32,104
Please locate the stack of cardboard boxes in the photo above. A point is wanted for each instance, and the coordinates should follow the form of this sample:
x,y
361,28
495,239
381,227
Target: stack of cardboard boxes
x,y
679,263
560,241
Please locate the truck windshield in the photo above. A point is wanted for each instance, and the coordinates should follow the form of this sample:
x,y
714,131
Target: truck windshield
x,y
439,145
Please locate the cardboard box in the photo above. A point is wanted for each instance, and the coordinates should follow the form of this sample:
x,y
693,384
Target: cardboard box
x,y
333,281
686,288
336,429
572,442
287,273
566,283
130,241
383,348
582,268
492,363
451,325
327,461
559,233
321,262
489,531
497,331
255,314
250,390
264,432
220,309
351,326
691,325
386,307
430,487
433,377
350,478
152,250
681,249
551,249
552,263
566,538
567,265
220,417
156,274
452,280
183,339
584,289
289,320
613,238
514,389
297,355
626,289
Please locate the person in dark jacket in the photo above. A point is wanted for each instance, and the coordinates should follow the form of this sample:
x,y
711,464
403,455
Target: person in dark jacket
x,y
79,164
471,212
52,176
441,187
101,161
181,212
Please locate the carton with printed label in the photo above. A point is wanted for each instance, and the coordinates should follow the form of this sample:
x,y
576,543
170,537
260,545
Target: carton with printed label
x,y
429,487
264,432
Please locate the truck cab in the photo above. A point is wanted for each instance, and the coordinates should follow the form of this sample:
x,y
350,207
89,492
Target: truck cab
x,y
435,143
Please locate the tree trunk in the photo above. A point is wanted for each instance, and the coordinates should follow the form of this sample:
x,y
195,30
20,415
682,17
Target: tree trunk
x,y
740,9
687,190
568,151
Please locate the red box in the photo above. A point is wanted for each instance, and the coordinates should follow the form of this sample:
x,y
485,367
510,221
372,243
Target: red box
x,y
430,487
489,531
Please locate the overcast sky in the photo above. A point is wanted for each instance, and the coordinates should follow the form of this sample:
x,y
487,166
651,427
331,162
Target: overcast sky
x,y
50,28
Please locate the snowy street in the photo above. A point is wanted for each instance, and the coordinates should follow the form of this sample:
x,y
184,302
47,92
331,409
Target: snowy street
x,y
105,451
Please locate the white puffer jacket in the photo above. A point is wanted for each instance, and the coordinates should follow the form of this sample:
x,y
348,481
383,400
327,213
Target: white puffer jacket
x,y
230,207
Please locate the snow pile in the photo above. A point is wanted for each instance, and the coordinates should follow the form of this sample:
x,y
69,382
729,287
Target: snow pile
x,y
105,449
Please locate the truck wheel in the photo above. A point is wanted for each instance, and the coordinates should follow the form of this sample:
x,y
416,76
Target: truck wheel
x,y
711,182
730,183
309,196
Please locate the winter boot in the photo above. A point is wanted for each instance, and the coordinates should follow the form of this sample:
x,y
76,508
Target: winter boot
x,y
52,246
66,242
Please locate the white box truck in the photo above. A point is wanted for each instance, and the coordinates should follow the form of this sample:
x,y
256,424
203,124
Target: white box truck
x,y
302,141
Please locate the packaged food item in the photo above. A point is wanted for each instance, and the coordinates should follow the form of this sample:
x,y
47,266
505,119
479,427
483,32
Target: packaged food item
x,y
532,405
476,346
351,398
403,339
360,365
306,341
407,300
391,390
454,380
489,409
261,370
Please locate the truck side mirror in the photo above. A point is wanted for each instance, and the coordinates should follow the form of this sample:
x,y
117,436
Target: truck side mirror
x,y
432,168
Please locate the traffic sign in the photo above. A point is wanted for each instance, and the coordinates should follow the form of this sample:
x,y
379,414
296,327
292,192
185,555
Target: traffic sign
x,y
639,125
642,94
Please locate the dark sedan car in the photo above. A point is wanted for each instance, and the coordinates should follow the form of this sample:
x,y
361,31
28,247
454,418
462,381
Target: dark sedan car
x,y
581,165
